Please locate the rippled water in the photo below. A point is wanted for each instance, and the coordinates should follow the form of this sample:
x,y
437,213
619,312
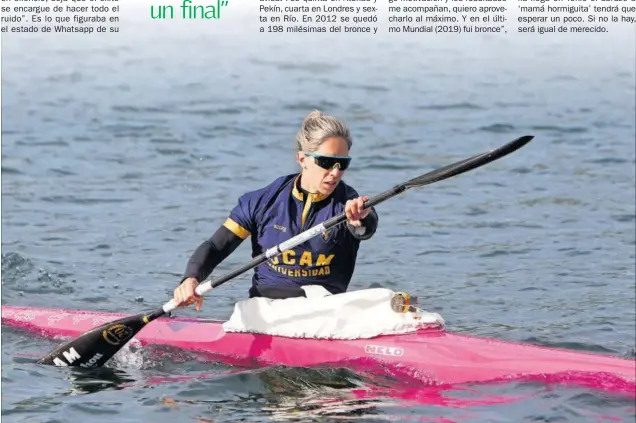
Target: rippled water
x,y
119,158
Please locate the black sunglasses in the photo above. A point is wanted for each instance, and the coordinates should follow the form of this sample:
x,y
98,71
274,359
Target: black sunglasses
x,y
329,162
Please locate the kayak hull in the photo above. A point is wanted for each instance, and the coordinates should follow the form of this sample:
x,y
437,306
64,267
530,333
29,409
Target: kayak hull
x,y
435,356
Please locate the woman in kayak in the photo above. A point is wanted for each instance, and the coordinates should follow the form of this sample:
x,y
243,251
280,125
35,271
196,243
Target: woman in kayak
x,y
286,207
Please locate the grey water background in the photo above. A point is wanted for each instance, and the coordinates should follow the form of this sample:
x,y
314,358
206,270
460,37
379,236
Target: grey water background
x,y
120,154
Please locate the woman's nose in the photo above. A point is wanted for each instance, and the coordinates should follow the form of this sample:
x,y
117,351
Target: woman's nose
x,y
336,171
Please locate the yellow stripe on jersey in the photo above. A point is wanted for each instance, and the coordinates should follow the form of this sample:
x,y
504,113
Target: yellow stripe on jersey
x,y
237,229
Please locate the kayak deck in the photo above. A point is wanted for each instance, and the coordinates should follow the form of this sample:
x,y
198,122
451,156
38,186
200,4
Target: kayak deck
x,y
433,355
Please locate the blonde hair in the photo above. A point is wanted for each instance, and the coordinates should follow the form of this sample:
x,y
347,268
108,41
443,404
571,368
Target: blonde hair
x,y
316,128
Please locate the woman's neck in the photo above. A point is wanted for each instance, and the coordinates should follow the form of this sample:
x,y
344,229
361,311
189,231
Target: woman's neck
x,y
304,186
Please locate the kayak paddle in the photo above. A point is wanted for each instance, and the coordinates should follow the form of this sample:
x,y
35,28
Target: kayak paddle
x,y
97,346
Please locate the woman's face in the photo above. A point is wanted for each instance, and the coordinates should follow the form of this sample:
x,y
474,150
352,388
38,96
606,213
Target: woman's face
x,y
323,168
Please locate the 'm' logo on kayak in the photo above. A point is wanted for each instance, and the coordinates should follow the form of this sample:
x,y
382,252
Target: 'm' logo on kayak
x,y
117,334
382,350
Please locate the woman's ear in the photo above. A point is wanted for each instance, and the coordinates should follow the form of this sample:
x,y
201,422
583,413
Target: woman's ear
x,y
300,157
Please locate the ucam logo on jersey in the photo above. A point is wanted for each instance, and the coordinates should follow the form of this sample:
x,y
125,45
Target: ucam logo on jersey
x,y
382,350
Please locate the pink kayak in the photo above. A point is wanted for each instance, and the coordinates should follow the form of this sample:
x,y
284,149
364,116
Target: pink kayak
x,y
434,355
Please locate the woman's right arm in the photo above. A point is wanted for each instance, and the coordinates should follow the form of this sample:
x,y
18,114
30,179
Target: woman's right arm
x,y
205,258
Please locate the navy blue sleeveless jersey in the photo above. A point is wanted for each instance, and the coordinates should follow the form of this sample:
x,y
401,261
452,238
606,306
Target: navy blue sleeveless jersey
x,y
280,211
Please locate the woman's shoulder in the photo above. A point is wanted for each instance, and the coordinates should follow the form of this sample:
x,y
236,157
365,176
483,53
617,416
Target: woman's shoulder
x,y
271,189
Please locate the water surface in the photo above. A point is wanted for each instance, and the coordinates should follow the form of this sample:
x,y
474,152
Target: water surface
x,y
119,158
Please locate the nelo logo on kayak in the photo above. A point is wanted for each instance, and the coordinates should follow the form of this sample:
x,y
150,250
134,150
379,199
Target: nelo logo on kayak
x,y
382,350
117,334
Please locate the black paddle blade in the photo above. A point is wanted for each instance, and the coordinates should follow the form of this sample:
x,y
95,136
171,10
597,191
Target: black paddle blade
x,y
96,347
470,163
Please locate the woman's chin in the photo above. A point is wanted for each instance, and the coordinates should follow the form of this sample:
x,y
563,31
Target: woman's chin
x,y
327,189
